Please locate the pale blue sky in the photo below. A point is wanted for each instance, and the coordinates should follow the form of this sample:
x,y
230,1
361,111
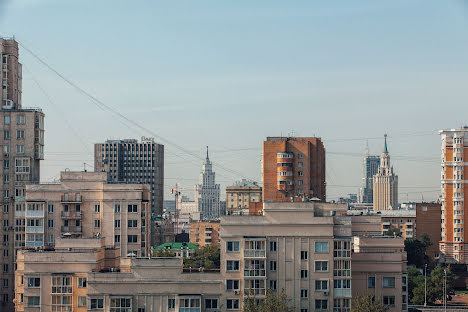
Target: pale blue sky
x,y
229,73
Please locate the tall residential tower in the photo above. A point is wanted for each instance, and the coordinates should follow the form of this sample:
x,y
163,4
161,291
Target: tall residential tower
x,y
207,192
453,247
22,141
385,184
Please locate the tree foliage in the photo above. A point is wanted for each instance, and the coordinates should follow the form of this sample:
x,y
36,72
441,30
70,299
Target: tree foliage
x,y
415,278
163,253
393,231
416,251
207,257
367,304
272,303
435,285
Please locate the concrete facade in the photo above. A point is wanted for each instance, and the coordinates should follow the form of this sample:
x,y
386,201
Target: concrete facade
x,y
293,167
240,195
205,233
385,185
84,204
454,187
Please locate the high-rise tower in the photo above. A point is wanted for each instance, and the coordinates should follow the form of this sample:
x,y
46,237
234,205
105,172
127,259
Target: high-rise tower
x,y
22,149
385,184
207,192
453,246
370,168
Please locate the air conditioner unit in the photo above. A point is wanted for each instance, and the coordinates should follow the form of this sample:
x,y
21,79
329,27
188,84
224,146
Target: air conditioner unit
x,y
326,293
236,292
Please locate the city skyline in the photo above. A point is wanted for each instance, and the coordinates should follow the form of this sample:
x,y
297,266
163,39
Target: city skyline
x,y
170,91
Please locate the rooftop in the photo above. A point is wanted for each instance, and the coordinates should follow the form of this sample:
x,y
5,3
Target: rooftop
x,y
245,183
176,246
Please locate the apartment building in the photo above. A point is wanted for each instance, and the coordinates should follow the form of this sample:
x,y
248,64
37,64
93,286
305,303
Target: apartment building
x,y
404,220
22,149
205,233
303,248
130,161
454,188
385,184
85,204
428,221
379,269
293,167
57,280
240,195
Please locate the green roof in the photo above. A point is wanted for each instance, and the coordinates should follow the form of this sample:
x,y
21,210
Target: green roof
x,y
176,246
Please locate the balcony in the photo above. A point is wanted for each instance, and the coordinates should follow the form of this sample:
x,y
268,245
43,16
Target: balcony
x,y
341,292
35,213
71,214
34,229
254,273
34,244
254,292
254,253
71,198
71,229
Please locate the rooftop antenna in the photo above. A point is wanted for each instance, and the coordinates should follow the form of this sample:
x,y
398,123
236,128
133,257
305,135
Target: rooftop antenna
x,y
84,167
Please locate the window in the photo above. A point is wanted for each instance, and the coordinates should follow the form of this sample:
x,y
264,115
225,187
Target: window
x,y
20,149
97,223
61,293
300,164
232,246
33,301
304,310
19,134
304,293
371,282
321,266
403,283
82,301
5,282
232,265
97,208
388,282
300,182
272,265
337,284
132,208
34,282
189,304
273,285
117,208
388,300
170,303
6,119
321,285
321,247
232,304
133,238
273,246
321,304
82,282
232,284
300,155
50,208
97,304
77,207
117,223
116,238
300,173
50,223
20,119
304,255
120,304
6,134
304,274
132,223
211,303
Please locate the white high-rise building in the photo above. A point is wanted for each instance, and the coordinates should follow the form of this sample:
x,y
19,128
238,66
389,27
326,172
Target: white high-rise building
x,y
385,184
207,192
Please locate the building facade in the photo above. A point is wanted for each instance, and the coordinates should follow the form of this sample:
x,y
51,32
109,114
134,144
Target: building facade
x,y
239,195
403,220
129,161
385,184
293,167
428,221
454,188
371,167
207,192
205,233
85,204
22,144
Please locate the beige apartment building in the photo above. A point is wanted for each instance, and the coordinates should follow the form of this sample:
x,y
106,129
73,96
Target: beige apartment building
x,y
404,220
22,149
84,204
385,184
240,195
205,233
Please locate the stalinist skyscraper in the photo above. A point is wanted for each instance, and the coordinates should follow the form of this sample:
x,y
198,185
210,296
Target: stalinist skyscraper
x,y
207,192
385,184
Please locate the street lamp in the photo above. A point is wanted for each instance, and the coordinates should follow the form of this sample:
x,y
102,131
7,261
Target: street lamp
x,y
445,290
425,285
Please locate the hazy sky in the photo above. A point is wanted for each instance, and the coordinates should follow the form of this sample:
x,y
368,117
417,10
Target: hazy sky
x,y
229,73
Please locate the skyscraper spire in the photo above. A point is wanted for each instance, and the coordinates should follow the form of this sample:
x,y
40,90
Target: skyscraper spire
x,y
385,148
207,153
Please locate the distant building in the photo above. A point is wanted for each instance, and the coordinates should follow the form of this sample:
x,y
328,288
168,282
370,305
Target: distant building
x,y
85,204
371,167
207,192
129,161
428,221
351,198
404,220
183,250
293,167
385,184
205,233
454,246
239,195
22,149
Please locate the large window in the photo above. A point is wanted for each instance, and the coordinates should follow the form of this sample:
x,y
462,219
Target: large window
x,y
121,304
189,305
232,246
388,300
132,238
232,284
342,249
321,247
132,223
62,293
321,304
232,304
33,301
321,266
132,208
232,265
171,303
97,303
211,304
371,282
34,282
388,282
321,285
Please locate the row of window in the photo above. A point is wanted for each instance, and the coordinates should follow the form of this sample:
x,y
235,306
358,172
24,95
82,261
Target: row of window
x,y
20,119
319,247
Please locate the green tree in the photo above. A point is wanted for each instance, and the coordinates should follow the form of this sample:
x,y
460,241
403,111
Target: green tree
x,y
415,278
366,303
272,303
393,231
416,252
163,253
207,257
435,286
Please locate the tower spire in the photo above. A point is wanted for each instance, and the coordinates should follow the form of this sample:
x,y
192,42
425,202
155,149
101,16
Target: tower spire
x,y
385,148
207,152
